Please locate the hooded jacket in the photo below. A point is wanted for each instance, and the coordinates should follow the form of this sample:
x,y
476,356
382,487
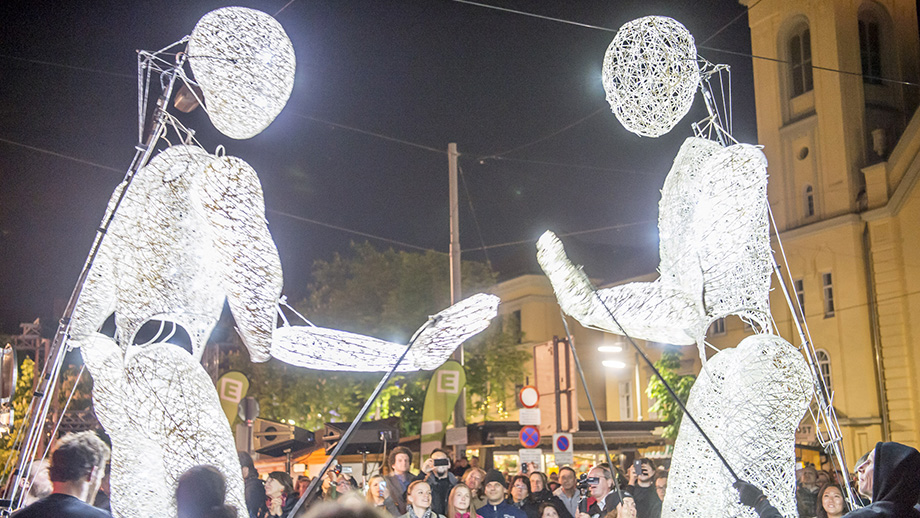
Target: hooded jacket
x,y
895,483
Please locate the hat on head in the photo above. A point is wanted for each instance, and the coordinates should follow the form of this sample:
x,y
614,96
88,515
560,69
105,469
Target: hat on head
x,y
494,476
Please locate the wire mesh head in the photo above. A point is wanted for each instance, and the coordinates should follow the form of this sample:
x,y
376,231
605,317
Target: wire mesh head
x,y
651,74
244,63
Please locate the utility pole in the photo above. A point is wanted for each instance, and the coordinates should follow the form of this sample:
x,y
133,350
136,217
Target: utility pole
x,y
455,294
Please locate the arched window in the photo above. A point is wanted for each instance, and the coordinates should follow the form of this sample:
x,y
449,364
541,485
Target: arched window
x,y
809,201
824,365
870,50
799,57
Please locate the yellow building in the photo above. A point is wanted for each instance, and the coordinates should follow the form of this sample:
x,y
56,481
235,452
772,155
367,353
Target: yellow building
x,y
841,133
836,92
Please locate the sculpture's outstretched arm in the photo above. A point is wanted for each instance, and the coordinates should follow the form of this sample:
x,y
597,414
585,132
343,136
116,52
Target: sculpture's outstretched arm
x,y
330,349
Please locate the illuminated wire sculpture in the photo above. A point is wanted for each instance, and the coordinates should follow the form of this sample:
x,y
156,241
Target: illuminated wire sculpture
x,y
156,262
329,349
229,195
244,63
714,249
650,74
163,415
749,404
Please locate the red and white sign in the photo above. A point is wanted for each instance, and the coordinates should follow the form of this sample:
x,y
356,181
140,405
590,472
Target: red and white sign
x,y
529,397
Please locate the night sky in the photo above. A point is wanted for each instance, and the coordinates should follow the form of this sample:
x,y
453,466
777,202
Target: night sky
x,y
427,72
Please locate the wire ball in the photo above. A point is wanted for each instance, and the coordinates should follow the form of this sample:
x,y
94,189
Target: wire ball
x,y
651,74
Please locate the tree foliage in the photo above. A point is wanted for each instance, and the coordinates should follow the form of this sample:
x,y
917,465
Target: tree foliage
x,y
494,364
665,406
9,456
387,294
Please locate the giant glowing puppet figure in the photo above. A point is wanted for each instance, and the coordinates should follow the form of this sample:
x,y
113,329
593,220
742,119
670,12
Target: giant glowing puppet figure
x,y
189,233
715,261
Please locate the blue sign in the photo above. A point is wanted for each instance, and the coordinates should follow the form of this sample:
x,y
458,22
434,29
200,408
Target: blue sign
x,y
530,437
562,443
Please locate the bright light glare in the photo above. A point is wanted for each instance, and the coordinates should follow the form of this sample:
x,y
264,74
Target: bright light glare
x,y
614,364
610,349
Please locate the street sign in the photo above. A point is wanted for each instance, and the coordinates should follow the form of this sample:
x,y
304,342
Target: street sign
x,y
534,455
562,443
456,436
529,397
529,416
529,437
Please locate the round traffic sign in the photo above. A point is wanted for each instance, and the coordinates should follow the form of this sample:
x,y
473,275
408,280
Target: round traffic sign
x,y
529,397
529,437
562,443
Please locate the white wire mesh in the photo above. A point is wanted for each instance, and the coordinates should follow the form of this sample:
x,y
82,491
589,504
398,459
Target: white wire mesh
x,y
244,63
161,411
714,248
330,349
650,74
229,196
156,262
749,401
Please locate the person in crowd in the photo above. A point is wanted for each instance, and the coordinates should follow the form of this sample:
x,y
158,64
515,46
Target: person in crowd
x,y
474,462
494,486
891,475
303,482
378,496
460,467
548,510
661,484
625,509
418,501
823,477
642,487
349,506
540,493
831,503
76,471
436,471
460,503
604,493
521,497
473,478
201,493
342,484
280,497
806,492
399,477
567,492
253,488
40,483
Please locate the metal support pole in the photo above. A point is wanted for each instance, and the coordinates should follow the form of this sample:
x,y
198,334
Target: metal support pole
x,y
44,394
455,290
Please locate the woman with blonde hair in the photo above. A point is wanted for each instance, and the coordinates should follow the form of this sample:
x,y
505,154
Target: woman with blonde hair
x,y
378,496
473,478
460,502
418,501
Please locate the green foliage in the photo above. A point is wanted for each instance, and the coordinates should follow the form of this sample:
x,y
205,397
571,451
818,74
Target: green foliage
x,y
83,395
665,406
386,294
8,455
494,363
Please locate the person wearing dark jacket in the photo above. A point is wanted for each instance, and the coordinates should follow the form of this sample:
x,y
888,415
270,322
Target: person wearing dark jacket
x,y
521,497
540,494
439,478
253,488
891,475
494,486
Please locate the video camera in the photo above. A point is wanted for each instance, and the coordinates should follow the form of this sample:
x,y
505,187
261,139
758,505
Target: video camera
x,y
585,482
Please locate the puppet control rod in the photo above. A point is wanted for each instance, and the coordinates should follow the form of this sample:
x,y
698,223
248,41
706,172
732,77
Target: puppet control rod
x,y
45,391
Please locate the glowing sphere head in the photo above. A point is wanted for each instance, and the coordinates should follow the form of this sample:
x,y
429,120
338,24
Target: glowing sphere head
x,y
244,63
651,74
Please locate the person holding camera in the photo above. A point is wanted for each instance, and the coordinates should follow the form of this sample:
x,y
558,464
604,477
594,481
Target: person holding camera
x,y
601,486
436,472
378,496
642,487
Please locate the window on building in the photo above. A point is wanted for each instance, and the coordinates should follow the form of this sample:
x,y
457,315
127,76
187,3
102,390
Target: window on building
x,y
870,51
717,327
824,365
800,62
514,326
828,284
626,401
809,201
799,285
